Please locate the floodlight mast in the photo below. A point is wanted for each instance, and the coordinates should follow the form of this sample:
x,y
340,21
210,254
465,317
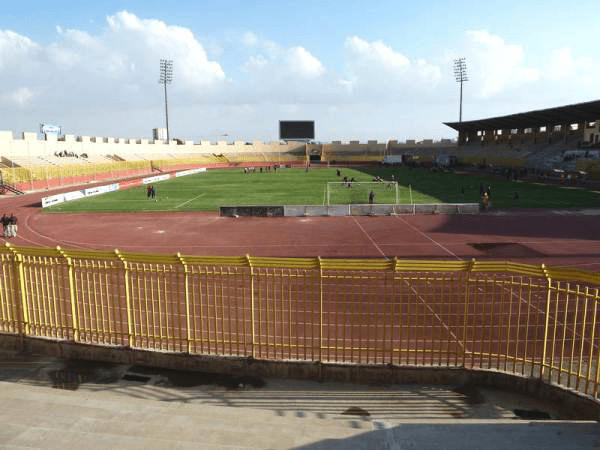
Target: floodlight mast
x,y
460,74
166,76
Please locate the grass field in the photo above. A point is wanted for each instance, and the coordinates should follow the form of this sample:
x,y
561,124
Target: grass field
x,y
207,191
447,188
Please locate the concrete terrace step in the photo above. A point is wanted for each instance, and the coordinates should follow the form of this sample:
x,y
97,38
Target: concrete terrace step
x,y
51,403
41,417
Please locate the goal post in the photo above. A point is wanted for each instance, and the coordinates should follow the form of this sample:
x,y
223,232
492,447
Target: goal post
x,y
342,193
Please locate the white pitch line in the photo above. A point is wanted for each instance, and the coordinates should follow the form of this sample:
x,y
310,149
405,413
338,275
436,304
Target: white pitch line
x,y
432,240
370,238
436,315
191,200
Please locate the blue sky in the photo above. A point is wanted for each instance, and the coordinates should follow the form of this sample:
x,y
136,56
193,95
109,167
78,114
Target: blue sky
x,y
362,70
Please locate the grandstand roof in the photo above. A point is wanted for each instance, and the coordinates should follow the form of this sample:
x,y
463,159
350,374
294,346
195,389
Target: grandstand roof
x,y
580,112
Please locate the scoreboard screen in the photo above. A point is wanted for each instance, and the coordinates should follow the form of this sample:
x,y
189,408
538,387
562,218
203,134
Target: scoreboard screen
x,y
296,129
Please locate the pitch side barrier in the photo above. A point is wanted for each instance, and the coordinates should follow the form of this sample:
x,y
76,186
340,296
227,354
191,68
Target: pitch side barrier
x,y
75,195
349,210
535,322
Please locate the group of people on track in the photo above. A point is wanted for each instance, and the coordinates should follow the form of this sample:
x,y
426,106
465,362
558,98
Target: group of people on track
x,y
9,225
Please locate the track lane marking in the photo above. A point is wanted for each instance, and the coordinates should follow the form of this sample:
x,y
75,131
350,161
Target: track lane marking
x,y
431,239
370,238
436,315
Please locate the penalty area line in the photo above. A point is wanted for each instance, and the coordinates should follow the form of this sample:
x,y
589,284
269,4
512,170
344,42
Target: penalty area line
x,y
191,200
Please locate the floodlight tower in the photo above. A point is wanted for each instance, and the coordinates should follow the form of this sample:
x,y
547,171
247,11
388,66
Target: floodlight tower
x,y
460,73
166,76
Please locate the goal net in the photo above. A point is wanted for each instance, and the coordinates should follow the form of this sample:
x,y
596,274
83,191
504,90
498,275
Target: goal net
x,y
341,193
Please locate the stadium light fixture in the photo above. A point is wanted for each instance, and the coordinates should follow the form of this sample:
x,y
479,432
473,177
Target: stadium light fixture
x,y
460,73
166,76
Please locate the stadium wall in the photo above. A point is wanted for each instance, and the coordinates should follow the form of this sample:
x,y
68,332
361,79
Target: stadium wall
x,y
29,146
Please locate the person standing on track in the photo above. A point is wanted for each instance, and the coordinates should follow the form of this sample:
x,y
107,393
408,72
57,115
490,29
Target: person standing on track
x,y
5,223
12,231
485,201
371,197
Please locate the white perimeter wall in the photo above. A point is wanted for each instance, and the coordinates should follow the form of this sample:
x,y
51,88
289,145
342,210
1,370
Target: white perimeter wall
x,y
30,146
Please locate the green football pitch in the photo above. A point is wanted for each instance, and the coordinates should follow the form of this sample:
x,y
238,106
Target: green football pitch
x,y
209,190
232,187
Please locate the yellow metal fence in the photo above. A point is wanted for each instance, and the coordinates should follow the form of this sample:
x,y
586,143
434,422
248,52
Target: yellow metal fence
x,y
523,319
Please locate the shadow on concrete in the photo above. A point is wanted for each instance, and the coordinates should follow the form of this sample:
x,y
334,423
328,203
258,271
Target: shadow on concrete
x,y
285,397
491,436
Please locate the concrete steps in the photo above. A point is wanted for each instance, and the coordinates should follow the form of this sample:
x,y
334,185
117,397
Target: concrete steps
x,y
42,417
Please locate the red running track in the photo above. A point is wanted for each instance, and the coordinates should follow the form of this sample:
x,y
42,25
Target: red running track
x,y
557,238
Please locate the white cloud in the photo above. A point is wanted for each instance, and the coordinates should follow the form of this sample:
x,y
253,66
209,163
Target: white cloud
x,y
118,67
286,75
20,97
561,64
305,64
376,70
249,39
148,40
15,51
494,66
565,67
376,53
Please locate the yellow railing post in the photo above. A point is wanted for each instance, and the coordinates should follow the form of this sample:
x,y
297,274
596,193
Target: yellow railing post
x,y
130,324
320,309
466,311
249,260
597,374
186,290
20,293
592,339
547,323
72,296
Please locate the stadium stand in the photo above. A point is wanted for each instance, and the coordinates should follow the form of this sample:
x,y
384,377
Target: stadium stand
x,y
546,139
556,139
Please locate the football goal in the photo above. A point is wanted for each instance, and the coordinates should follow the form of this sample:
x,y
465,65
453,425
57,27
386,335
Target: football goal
x,y
342,193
